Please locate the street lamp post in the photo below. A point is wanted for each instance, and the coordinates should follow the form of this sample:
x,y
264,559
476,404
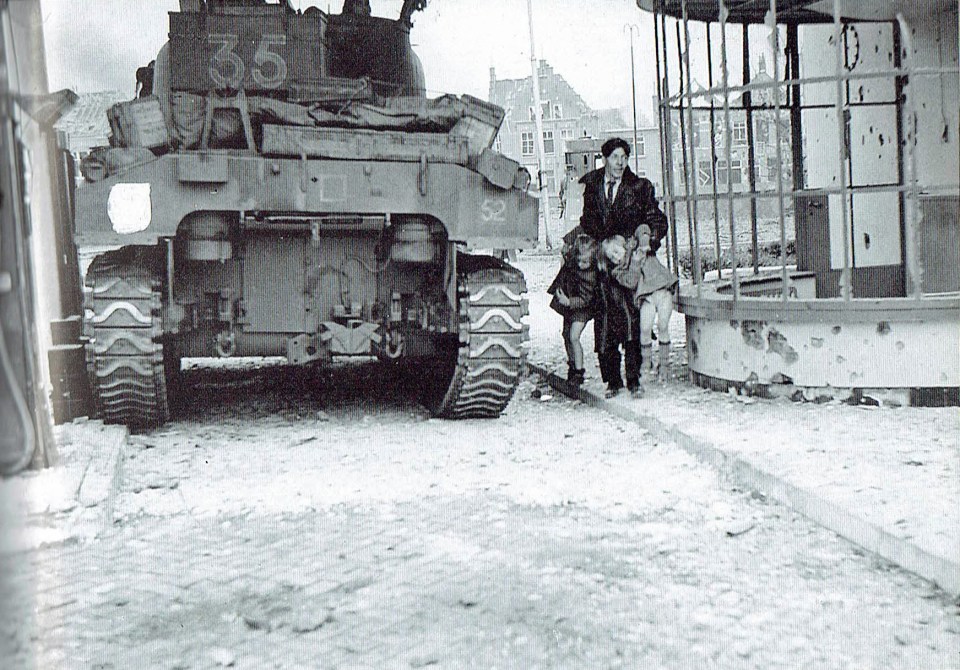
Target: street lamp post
x,y
538,122
631,27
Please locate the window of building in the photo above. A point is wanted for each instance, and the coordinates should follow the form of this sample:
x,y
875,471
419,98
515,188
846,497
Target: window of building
x,y
533,117
704,137
740,132
557,112
761,131
721,171
736,171
641,173
526,143
566,133
497,145
641,147
548,142
772,168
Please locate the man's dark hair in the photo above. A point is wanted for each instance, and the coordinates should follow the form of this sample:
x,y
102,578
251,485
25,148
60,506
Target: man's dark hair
x,y
612,145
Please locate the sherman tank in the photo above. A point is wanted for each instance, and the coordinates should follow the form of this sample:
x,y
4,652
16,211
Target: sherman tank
x,y
283,186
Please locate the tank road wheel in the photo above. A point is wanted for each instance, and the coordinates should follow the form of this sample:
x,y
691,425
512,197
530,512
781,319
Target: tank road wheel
x,y
126,361
481,374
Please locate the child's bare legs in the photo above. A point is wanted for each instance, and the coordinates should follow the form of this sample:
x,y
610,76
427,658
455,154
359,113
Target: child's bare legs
x,y
663,302
648,313
656,308
571,341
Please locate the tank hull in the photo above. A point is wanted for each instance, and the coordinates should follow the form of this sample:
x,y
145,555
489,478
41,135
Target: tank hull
x,y
282,192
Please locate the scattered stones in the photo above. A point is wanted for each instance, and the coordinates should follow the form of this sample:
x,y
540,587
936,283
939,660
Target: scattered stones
x,y
258,621
223,657
424,660
310,618
739,528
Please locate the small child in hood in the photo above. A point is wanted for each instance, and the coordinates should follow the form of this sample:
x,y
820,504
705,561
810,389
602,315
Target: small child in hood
x,y
574,297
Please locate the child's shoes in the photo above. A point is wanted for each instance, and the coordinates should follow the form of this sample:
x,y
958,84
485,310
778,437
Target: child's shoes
x,y
575,376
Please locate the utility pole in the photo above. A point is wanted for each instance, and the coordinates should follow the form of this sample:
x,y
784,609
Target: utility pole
x,y
538,119
630,27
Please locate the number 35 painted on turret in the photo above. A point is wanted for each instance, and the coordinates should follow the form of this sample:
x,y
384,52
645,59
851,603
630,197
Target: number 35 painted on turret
x,y
227,69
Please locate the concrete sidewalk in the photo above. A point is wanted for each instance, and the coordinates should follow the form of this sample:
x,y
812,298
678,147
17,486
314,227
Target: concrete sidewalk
x,y
71,500
887,479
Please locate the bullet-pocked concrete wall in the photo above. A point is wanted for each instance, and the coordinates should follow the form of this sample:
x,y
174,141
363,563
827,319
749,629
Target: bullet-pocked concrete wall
x,y
876,352
892,343
872,220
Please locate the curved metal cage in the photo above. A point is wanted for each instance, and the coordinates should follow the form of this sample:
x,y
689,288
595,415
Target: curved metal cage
x,y
793,135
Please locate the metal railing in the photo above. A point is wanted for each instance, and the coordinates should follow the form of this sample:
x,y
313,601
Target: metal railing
x,y
685,107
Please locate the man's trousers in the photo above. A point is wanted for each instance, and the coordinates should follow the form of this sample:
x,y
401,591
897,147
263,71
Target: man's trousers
x,y
610,365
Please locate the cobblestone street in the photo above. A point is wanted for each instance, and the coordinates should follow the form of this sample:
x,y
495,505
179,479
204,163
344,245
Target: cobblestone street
x,y
277,528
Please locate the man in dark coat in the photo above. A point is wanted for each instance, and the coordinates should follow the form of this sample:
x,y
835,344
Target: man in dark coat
x,y
615,202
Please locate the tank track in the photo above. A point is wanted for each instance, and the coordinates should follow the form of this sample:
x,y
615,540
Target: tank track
x,y
123,325
492,354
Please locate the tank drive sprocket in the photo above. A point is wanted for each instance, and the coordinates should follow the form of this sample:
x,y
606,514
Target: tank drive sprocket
x,y
130,371
491,355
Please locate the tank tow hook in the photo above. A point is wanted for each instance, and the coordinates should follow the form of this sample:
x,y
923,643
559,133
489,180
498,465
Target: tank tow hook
x,y
393,349
226,343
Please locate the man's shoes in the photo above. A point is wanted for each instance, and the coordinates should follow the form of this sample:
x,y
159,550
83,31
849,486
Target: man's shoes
x,y
575,376
636,391
612,391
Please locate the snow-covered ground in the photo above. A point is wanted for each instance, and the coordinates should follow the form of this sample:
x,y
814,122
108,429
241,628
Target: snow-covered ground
x,y
897,468
303,518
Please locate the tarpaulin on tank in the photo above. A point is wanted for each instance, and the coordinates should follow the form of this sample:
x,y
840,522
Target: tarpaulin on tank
x,y
412,114
188,111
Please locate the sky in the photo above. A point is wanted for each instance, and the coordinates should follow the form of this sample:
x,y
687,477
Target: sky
x,y
97,45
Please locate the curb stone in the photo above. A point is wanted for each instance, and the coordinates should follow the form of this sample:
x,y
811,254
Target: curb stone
x,y
101,478
944,572
73,499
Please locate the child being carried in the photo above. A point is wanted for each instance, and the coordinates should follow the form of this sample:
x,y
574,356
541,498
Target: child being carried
x,y
653,286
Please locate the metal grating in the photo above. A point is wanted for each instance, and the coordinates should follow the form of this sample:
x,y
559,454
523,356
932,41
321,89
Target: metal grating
x,y
742,11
